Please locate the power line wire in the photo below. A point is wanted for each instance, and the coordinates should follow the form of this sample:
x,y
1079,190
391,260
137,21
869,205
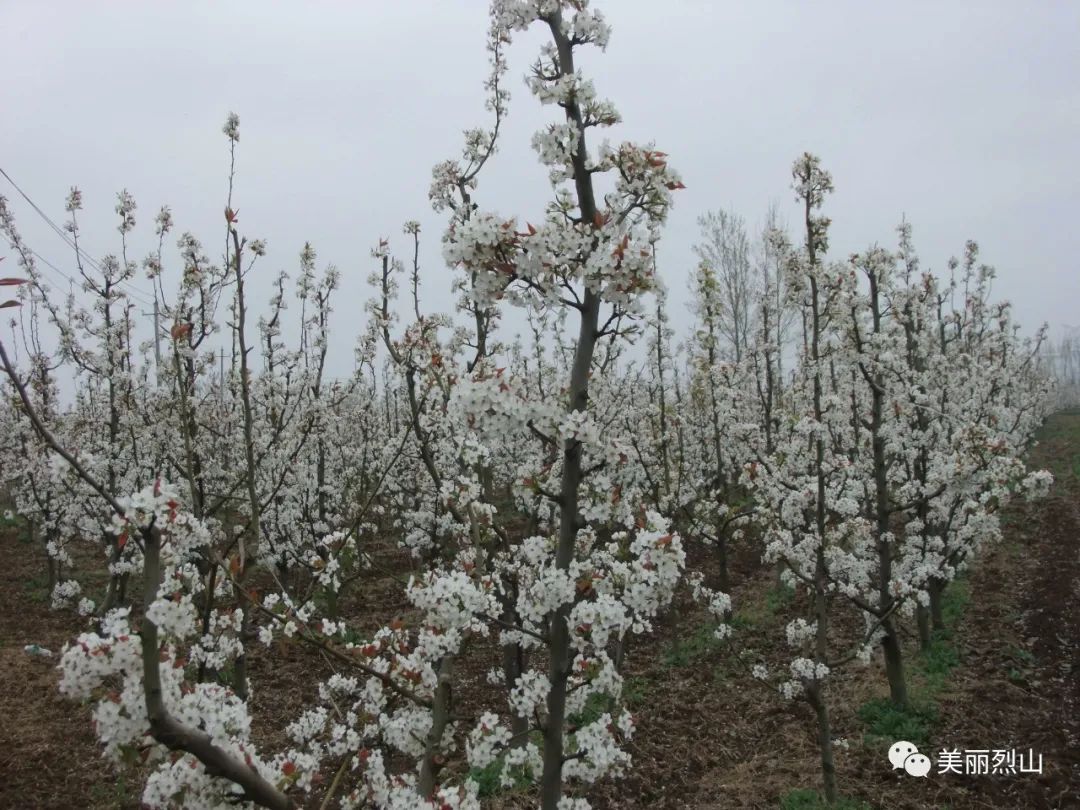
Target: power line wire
x,y
132,290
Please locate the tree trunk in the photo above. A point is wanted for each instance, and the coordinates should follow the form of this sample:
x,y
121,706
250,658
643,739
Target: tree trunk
x,y
578,400
894,665
937,617
722,558
440,718
922,617
828,766
513,666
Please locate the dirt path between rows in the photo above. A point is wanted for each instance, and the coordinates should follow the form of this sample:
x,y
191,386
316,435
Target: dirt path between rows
x,y
1052,620
49,756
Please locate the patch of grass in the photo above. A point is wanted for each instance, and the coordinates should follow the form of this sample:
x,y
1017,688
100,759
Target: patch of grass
x,y
684,652
15,523
808,799
595,706
778,597
937,661
103,794
635,692
954,601
760,611
723,673
326,601
352,636
887,723
1023,661
1025,657
227,675
37,589
743,620
489,779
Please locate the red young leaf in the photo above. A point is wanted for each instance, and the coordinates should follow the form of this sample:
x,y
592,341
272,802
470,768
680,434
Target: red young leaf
x,y
11,282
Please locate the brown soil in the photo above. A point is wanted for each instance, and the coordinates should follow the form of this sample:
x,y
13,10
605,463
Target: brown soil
x,y
708,735
49,756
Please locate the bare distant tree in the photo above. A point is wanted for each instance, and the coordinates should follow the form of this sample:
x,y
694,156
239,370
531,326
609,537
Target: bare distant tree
x,y
770,258
1062,362
725,250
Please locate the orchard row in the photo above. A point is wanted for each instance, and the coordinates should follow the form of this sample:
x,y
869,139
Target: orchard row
x,y
861,422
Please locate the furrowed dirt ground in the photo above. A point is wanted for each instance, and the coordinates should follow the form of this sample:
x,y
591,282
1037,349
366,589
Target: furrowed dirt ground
x,y
1007,676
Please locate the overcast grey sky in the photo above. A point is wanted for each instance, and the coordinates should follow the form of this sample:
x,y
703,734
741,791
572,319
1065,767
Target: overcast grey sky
x,y
963,116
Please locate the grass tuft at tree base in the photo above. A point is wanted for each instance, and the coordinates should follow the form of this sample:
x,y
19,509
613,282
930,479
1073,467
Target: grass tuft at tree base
x,y
888,723
489,779
699,644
